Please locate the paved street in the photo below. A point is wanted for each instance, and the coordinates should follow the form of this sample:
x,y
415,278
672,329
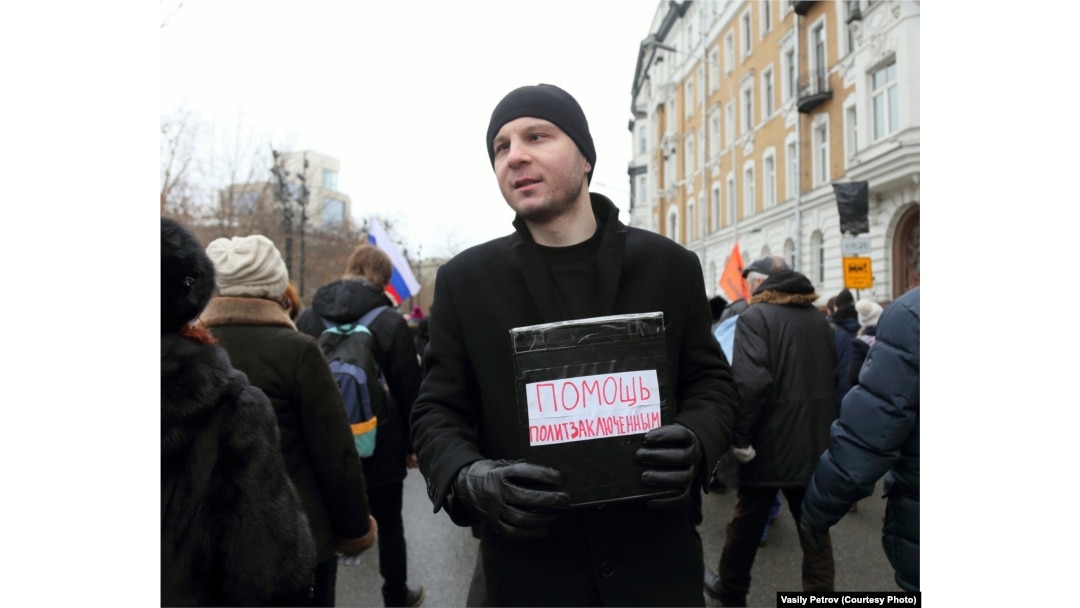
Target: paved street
x,y
442,555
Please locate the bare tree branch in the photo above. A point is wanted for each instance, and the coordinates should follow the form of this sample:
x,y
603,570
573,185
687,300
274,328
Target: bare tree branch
x,y
165,20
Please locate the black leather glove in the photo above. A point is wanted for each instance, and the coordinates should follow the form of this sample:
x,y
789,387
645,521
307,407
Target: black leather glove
x,y
813,542
672,455
517,499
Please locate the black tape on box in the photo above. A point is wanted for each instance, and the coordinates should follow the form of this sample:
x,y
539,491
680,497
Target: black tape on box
x,y
588,390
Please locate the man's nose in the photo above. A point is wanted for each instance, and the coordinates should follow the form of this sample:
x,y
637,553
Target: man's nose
x,y
517,154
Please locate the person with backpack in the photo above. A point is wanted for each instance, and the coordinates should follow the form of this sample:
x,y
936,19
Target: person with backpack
x,y
220,455
250,319
338,308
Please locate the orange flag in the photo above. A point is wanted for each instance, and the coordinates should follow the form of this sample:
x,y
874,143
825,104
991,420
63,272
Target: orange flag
x,y
732,281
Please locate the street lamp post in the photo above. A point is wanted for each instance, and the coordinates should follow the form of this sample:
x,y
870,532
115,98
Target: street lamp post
x,y
282,196
302,200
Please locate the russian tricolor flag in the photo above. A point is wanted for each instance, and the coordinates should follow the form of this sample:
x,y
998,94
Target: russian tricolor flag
x,y
403,284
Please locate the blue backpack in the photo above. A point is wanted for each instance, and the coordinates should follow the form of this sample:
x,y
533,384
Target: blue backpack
x,y
350,349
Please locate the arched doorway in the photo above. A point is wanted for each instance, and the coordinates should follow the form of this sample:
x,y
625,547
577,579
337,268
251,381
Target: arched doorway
x,y
906,253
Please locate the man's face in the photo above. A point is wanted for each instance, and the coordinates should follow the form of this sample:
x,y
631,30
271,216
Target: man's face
x,y
541,171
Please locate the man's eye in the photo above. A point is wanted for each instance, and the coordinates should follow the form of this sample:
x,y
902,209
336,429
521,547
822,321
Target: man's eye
x,y
536,136
501,147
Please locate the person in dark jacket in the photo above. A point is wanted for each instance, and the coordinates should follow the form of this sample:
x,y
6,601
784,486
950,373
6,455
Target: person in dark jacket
x,y
877,435
250,319
368,272
869,313
845,324
784,369
220,458
569,257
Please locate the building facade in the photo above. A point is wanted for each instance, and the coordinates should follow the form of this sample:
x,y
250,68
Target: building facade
x,y
307,177
745,114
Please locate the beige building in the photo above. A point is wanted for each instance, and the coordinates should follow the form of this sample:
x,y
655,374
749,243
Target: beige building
x,y
745,115
326,206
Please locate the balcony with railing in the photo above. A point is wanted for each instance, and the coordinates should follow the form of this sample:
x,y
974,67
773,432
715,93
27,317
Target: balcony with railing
x,y
801,7
814,90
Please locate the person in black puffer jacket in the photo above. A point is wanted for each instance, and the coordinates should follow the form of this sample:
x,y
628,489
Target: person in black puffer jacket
x,y
877,435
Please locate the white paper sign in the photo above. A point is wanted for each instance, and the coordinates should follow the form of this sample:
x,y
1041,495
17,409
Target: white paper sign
x,y
593,407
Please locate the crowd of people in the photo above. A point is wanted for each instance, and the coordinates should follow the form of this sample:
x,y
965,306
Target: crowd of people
x,y
264,493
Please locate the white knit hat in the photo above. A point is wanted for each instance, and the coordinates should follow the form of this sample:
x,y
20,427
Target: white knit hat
x,y
869,311
248,266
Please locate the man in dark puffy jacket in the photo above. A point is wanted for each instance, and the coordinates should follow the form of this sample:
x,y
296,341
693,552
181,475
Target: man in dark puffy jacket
x,y
877,434
784,367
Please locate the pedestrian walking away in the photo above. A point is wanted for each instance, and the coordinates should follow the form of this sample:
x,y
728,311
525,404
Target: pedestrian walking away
x,y
784,367
220,456
360,291
250,317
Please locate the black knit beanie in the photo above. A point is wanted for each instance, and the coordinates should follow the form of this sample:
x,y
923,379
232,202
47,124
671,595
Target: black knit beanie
x,y
551,103
844,299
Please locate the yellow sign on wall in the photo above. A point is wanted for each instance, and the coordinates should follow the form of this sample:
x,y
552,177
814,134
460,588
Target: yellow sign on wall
x,y
858,274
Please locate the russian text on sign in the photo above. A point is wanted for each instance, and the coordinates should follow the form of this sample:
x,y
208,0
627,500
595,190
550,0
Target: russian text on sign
x,y
591,407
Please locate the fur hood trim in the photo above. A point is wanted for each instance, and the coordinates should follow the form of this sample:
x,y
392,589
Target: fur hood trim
x,y
784,299
225,310
786,288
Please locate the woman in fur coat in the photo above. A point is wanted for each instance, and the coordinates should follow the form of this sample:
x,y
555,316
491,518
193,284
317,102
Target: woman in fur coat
x,y
250,318
233,530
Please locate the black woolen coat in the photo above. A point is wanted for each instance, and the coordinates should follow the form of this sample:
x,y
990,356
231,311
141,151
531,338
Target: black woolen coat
x,y
621,554
233,529
315,436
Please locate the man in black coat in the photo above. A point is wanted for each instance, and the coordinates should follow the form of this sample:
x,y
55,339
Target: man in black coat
x,y
784,366
568,258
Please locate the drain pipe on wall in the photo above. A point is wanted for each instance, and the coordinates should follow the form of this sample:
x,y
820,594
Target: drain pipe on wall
x,y
798,160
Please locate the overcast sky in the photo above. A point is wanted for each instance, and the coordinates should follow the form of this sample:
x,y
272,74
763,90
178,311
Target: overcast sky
x,y
401,92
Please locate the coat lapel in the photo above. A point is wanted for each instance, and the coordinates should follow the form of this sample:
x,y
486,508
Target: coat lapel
x,y
608,265
612,247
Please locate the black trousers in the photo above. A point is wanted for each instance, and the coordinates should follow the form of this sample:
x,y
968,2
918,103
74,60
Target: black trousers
x,y
744,535
385,503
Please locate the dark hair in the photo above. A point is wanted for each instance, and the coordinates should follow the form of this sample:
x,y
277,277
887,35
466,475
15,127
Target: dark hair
x,y
716,307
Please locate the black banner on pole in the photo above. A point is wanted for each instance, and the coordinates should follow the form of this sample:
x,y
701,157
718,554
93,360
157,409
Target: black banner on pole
x,y
853,201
